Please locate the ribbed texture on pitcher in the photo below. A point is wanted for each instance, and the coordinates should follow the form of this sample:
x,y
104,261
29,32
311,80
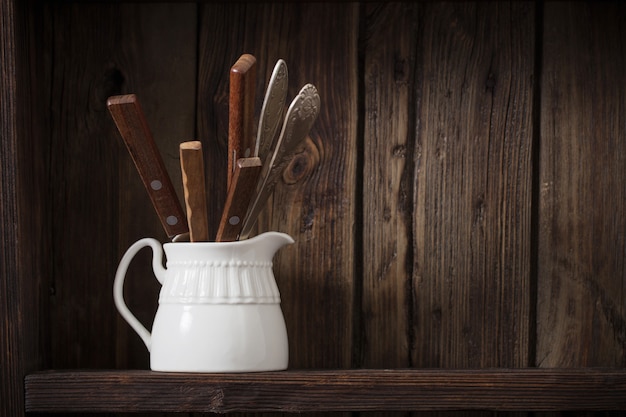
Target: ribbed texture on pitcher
x,y
219,282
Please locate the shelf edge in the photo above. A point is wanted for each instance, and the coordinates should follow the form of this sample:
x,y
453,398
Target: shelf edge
x,y
527,389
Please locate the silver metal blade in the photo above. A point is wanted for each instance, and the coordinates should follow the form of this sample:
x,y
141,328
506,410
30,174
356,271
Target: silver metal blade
x,y
300,117
272,110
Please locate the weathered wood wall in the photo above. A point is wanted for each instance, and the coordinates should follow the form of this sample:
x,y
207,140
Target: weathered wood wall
x,y
581,239
460,201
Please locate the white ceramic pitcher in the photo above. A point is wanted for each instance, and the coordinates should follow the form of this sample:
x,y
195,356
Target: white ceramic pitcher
x,y
219,306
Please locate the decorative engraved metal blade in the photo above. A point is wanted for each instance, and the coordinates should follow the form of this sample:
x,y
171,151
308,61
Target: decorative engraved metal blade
x,y
272,110
300,117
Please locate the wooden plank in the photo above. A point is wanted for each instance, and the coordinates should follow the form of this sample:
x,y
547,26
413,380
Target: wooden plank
x,y
388,144
314,201
582,271
329,390
472,185
11,336
24,229
99,206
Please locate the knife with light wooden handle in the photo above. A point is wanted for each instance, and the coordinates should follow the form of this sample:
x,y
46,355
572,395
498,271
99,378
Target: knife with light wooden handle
x,y
240,193
242,85
133,127
301,115
272,110
192,168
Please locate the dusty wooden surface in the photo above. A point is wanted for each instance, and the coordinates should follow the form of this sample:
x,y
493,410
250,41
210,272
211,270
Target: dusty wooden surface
x,y
459,202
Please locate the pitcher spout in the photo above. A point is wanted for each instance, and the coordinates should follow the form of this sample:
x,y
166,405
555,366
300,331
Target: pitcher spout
x,y
270,242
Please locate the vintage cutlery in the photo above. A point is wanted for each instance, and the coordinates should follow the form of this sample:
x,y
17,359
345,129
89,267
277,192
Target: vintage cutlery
x,y
245,178
301,115
242,84
133,127
240,192
272,110
192,168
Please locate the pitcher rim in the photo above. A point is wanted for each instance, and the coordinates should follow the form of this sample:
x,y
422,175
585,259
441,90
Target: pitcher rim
x,y
231,243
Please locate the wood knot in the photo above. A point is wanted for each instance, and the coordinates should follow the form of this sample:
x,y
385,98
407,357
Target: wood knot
x,y
110,84
216,400
308,219
400,70
479,209
399,151
302,163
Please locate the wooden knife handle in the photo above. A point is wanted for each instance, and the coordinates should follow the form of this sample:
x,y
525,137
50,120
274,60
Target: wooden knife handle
x,y
192,167
133,127
240,193
242,84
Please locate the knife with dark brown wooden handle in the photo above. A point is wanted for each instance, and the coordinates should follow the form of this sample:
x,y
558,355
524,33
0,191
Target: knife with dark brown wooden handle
x,y
242,85
240,193
133,127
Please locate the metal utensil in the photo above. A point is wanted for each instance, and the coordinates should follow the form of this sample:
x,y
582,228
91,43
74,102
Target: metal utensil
x,y
192,168
133,127
272,110
242,84
301,115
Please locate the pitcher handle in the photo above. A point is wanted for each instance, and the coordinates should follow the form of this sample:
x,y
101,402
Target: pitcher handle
x,y
118,285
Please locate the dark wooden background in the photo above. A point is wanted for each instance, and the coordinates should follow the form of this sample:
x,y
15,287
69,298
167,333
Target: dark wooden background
x,y
459,203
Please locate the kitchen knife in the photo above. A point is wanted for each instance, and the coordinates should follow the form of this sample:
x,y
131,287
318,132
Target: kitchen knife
x,y
240,192
301,115
133,127
242,84
272,110
192,168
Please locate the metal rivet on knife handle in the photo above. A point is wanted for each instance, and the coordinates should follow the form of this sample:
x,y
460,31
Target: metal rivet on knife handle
x,y
192,167
133,127
240,192
242,85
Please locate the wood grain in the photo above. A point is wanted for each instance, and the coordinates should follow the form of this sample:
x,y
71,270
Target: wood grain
x,y
314,201
23,207
242,90
411,202
219,46
192,167
472,185
329,390
240,194
582,271
98,203
82,159
389,137
10,307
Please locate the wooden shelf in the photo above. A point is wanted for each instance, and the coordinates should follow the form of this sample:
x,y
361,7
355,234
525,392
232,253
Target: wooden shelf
x,y
528,389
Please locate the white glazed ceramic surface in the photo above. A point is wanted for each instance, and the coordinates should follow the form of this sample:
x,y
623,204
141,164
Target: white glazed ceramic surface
x,y
219,338
219,307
